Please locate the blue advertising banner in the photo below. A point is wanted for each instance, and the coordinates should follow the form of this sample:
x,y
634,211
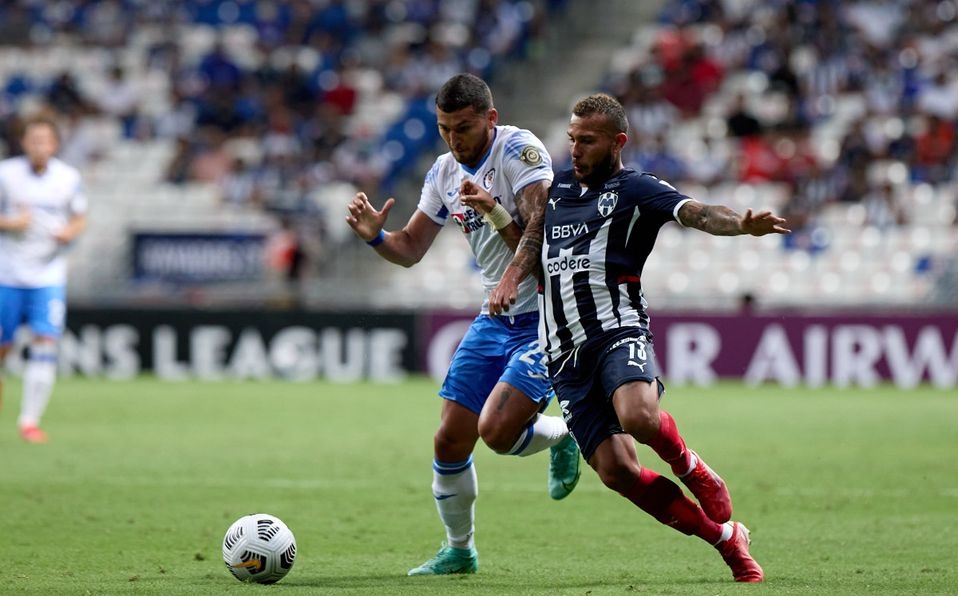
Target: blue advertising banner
x,y
186,257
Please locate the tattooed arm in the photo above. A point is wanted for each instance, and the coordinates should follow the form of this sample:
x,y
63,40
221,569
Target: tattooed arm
x,y
719,220
531,202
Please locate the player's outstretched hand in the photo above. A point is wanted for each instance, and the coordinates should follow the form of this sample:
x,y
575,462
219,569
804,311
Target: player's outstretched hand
x,y
764,222
364,219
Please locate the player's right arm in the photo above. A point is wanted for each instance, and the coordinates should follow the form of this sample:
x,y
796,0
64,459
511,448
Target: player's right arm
x,y
13,218
404,247
17,222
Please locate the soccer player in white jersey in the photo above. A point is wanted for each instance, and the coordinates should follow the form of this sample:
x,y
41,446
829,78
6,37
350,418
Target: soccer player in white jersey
x,y
42,210
599,228
492,183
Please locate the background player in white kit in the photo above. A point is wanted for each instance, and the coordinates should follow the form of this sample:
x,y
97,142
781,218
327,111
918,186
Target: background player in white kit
x,y
497,384
42,210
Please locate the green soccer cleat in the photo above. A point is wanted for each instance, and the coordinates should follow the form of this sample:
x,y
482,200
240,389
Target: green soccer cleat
x,y
564,469
449,560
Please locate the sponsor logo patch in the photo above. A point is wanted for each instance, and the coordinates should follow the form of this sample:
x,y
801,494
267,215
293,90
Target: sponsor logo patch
x,y
468,222
568,264
530,156
488,179
607,201
568,231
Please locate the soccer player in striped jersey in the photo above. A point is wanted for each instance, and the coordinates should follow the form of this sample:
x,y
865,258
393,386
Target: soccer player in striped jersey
x,y
493,184
599,227
42,210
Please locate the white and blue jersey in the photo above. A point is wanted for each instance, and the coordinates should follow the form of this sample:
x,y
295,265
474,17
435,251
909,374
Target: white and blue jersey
x,y
515,160
505,347
33,258
33,264
596,242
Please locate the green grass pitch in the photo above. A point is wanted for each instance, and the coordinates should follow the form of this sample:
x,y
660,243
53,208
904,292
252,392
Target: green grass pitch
x,y
845,491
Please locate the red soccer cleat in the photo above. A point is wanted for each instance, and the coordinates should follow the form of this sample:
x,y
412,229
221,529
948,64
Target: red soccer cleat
x,y
710,490
736,555
33,434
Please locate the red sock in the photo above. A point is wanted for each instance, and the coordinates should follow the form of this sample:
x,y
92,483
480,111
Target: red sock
x,y
664,500
668,444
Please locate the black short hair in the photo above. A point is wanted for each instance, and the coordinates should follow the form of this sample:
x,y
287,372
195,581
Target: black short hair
x,y
606,105
462,91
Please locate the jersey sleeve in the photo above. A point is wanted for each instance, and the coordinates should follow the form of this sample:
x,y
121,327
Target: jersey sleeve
x,y
525,160
430,199
660,197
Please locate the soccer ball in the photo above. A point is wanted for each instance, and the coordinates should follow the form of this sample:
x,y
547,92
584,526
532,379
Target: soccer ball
x,y
259,548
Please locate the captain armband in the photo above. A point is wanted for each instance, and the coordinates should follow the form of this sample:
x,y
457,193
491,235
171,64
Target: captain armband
x,y
498,217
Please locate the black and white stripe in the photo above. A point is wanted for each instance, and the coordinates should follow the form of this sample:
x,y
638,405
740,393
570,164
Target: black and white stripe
x,y
596,242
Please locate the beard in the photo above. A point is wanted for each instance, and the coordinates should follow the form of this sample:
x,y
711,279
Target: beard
x,y
599,173
470,159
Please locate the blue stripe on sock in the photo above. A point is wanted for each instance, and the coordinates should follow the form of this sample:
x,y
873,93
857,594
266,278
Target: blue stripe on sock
x,y
445,468
525,441
42,358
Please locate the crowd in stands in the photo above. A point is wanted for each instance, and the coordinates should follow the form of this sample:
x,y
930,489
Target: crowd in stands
x,y
273,101
282,103
842,102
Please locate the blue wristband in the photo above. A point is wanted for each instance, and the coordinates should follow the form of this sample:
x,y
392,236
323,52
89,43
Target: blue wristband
x,y
378,239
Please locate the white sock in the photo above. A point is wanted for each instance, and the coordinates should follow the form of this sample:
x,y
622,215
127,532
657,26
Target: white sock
x,y
693,461
39,375
455,488
727,529
543,433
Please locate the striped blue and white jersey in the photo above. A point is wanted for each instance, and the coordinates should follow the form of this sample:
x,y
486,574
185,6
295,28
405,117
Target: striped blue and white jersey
x,y
33,258
516,159
596,242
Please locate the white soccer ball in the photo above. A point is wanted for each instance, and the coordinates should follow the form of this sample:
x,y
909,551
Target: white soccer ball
x,y
259,548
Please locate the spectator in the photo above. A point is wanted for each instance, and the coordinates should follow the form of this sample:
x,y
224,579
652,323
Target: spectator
x,y
653,155
883,208
65,97
120,98
683,90
708,162
934,151
178,169
238,187
740,120
219,71
649,113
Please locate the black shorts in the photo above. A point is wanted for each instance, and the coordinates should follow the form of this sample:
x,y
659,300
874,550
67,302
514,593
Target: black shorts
x,y
585,379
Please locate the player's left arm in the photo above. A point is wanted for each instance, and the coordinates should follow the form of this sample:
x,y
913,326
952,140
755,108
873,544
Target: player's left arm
x,y
72,229
531,201
720,220
479,199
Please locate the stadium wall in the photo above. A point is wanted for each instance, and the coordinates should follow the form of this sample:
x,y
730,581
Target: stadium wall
x,y
839,349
